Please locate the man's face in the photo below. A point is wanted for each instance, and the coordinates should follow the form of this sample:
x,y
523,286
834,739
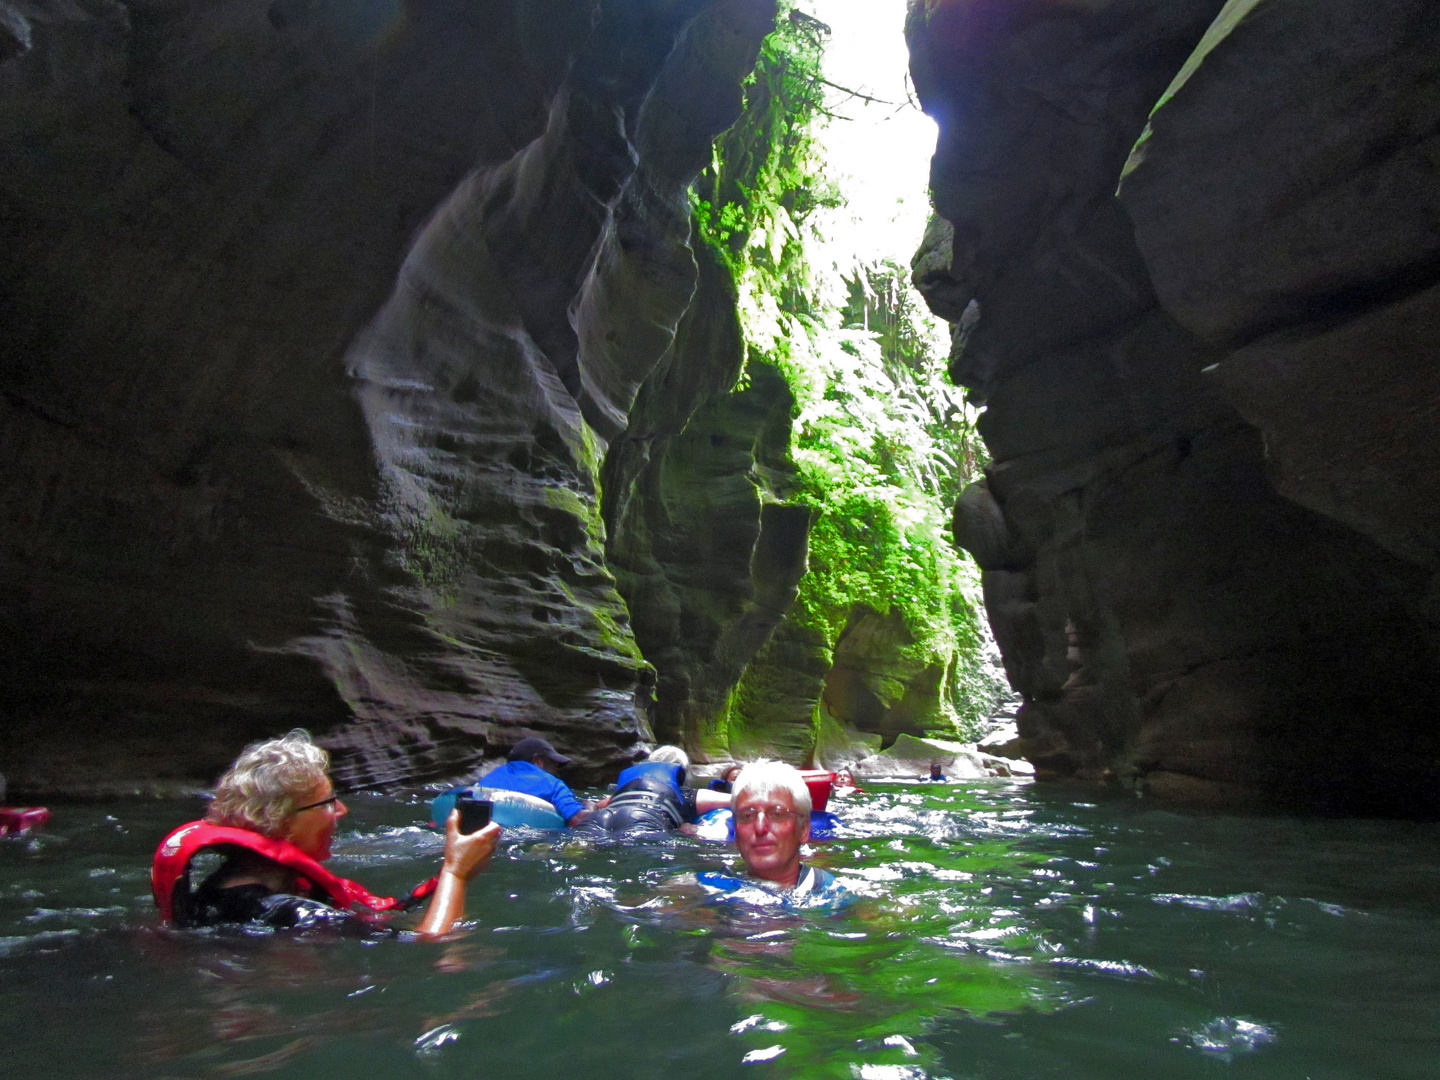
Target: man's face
x,y
546,764
769,832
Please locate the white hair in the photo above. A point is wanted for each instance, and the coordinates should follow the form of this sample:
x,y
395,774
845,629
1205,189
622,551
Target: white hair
x,y
761,778
260,790
671,755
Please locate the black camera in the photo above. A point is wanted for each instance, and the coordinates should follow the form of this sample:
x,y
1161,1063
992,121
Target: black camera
x,y
474,813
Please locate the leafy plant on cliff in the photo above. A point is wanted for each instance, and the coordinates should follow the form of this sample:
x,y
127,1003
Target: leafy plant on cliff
x,y
882,442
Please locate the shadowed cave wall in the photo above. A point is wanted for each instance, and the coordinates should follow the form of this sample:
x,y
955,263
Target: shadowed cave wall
x,y
272,455
1208,531
357,371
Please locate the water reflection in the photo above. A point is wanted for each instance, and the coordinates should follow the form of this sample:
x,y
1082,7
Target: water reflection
x,y
858,992
1001,932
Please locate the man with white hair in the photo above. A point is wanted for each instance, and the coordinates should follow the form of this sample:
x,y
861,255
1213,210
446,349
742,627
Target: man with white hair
x,y
771,805
651,796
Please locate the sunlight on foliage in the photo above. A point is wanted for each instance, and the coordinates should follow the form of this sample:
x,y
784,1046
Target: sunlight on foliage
x,y
882,442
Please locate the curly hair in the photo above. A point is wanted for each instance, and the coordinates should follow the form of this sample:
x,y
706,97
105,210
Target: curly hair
x,y
261,789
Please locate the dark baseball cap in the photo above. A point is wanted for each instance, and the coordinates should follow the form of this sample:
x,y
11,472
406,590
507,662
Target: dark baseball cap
x,y
526,749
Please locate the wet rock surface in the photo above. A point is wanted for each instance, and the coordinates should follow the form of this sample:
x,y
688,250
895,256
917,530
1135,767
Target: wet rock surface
x,y
357,371
244,489
1207,531
911,758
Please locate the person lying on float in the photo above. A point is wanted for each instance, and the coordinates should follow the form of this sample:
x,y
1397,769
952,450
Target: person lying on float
x,y
771,805
531,771
651,796
272,820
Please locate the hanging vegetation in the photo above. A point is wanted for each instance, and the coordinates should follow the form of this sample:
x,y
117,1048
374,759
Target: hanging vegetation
x,y
882,443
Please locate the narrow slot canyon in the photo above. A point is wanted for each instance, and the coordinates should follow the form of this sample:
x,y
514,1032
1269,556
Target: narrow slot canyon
x,y
1019,415
427,376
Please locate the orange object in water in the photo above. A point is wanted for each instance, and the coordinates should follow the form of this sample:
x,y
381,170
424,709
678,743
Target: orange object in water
x,y
819,782
18,819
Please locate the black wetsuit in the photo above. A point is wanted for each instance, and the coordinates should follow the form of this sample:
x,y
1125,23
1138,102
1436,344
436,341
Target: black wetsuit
x,y
649,798
256,903
215,905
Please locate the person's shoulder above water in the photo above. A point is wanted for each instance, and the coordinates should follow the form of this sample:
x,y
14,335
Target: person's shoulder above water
x,y
530,771
816,888
532,780
515,776
816,882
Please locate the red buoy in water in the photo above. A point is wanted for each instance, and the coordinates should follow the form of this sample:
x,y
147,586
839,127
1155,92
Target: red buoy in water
x,y
19,819
819,782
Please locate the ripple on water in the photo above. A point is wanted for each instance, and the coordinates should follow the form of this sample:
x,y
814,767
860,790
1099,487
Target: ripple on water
x,y
1226,1036
1001,935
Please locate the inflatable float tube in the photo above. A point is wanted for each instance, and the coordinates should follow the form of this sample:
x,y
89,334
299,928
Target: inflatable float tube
x,y
15,820
513,810
820,783
720,825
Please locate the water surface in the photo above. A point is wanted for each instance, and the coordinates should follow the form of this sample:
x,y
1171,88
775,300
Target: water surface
x,y
1004,931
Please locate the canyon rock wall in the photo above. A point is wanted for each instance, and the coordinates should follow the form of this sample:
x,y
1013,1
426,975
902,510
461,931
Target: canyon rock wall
x,y
317,325
1209,529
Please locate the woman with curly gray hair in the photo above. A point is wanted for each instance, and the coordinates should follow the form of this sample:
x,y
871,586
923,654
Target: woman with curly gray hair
x,y
273,817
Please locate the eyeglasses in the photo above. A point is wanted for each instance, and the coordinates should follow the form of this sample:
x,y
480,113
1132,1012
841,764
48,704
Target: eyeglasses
x,y
751,814
322,802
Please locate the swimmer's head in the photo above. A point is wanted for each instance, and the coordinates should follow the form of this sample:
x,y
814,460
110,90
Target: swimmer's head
x,y
268,782
760,779
771,805
670,755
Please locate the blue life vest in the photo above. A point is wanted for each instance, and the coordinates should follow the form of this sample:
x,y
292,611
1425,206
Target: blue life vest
x,y
648,798
664,772
815,888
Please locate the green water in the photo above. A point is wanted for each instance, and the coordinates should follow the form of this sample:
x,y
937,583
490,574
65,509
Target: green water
x,y
1004,931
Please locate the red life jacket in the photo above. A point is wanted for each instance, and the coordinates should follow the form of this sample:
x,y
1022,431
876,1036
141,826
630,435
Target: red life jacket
x,y
172,866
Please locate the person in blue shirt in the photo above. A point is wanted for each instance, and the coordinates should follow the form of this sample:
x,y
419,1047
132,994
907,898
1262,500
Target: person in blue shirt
x,y
651,796
531,770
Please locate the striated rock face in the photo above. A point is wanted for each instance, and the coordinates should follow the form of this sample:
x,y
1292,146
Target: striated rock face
x,y
1308,234
528,316
1208,531
874,686
242,488
706,555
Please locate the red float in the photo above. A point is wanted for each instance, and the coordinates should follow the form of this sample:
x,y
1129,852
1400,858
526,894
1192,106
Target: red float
x,y
19,819
819,783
